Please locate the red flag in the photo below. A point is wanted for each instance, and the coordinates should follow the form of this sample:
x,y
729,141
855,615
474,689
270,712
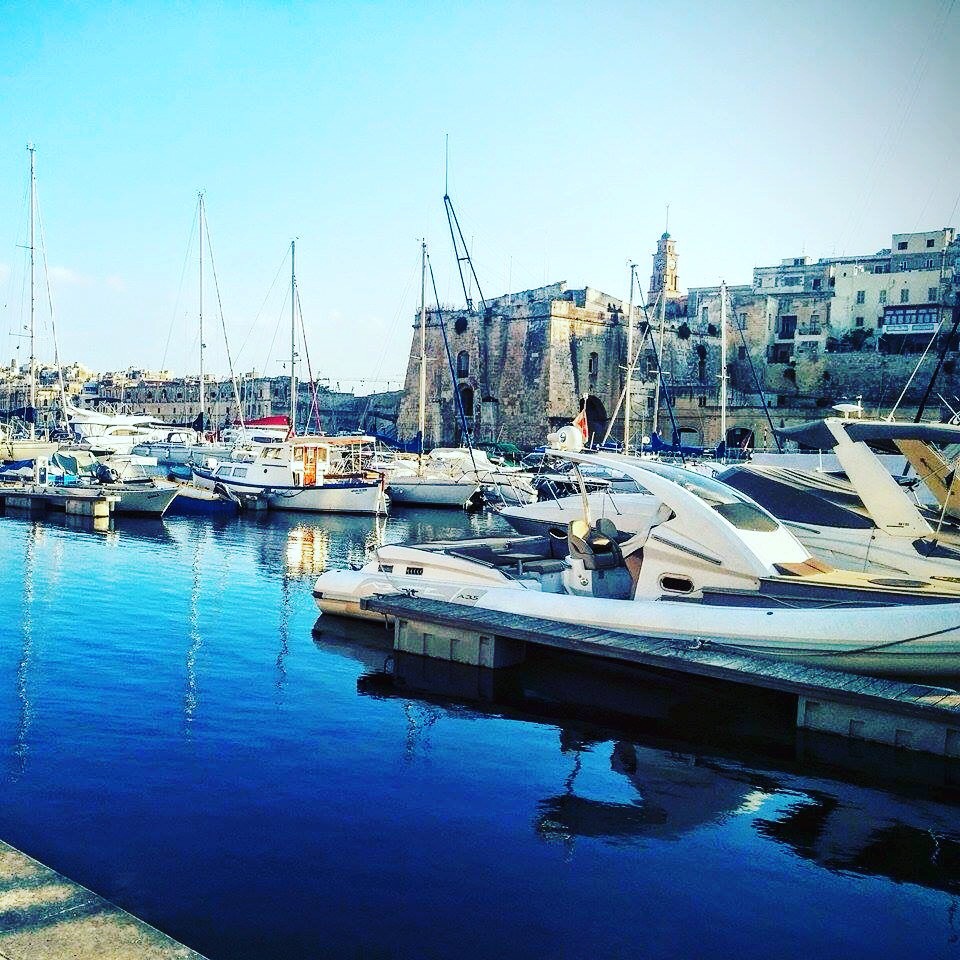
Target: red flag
x,y
580,422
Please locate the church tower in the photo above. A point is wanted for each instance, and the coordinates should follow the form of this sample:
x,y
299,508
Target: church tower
x,y
665,269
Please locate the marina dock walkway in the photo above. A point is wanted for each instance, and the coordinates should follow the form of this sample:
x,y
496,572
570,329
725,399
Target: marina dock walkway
x,y
897,713
44,916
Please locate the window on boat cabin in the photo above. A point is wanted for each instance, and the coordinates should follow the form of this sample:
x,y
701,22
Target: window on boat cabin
x,y
463,364
732,505
223,471
240,472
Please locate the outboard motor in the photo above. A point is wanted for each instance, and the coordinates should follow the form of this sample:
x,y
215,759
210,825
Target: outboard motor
x,y
106,474
595,562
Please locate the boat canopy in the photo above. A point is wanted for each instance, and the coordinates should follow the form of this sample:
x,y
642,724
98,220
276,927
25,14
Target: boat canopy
x,y
823,434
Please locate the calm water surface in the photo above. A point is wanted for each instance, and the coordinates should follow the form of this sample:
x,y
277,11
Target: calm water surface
x,y
175,737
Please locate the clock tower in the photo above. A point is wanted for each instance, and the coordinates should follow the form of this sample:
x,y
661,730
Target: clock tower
x,y
665,270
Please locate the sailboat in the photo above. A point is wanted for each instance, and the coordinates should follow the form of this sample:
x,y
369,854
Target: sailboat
x,y
437,481
312,473
20,442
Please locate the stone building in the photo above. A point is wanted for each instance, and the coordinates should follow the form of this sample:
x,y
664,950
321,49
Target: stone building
x,y
807,333
522,367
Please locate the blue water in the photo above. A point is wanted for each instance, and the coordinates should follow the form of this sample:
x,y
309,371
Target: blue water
x,y
175,738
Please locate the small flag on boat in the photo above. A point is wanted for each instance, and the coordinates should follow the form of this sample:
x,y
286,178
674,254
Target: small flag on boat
x,y
580,422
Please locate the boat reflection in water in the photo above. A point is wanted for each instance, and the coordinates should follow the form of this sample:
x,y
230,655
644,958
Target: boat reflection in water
x,y
689,756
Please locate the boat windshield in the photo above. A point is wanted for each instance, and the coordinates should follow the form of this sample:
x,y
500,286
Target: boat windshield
x,y
732,505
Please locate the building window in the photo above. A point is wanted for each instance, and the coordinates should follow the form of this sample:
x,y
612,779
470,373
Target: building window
x,y
883,296
788,327
858,322
932,294
930,243
904,295
463,364
832,282
704,315
701,401
741,321
816,283
814,326
593,365
902,245
930,263
861,296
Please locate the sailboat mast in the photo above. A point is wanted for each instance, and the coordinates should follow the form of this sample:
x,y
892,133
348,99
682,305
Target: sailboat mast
x,y
422,409
293,337
32,416
202,397
628,396
723,364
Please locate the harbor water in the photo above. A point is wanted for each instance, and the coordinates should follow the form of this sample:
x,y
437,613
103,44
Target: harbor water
x,y
176,737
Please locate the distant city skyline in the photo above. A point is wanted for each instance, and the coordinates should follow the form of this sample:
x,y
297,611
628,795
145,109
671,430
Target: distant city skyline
x,y
771,133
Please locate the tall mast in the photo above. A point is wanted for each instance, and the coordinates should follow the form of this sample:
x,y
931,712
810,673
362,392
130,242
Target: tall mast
x,y
628,397
422,410
662,326
293,337
202,398
33,357
723,364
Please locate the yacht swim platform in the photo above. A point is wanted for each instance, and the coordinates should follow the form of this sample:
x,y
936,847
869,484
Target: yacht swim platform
x,y
910,716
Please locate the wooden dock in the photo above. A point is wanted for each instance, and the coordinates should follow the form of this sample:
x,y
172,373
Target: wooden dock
x,y
900,714
74,501
44,916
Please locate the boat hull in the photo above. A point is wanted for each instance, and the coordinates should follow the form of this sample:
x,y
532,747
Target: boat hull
x,y
453,494
918,640
333,496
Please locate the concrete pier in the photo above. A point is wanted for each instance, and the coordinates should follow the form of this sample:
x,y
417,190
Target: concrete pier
x,y
75,501
44,916
895,713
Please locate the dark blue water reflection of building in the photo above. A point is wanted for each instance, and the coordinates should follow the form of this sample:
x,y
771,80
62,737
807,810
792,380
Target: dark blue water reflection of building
x,y
177,738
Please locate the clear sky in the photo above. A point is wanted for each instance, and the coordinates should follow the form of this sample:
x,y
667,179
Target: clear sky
x,y
771,129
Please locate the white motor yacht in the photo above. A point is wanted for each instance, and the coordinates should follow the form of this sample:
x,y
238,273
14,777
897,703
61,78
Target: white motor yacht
x,y
867,519
707,565
318,474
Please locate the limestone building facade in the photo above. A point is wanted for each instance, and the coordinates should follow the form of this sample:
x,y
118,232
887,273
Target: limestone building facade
x,y
521,368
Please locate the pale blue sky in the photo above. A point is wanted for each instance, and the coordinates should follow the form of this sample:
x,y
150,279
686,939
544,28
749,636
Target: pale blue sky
x,y
771,129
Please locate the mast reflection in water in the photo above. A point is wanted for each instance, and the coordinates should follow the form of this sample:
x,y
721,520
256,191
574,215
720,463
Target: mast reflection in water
x,y
179,741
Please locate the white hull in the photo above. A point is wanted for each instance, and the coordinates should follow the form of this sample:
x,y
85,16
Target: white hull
x,y
922,639
830,637
142,499
26,449
430,492
331,499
